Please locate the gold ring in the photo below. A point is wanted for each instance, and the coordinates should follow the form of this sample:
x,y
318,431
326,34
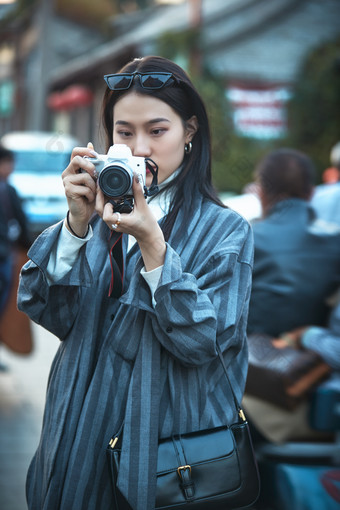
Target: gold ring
x,y
118,221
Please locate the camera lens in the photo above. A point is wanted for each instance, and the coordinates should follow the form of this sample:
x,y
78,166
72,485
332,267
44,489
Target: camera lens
x,y
115,181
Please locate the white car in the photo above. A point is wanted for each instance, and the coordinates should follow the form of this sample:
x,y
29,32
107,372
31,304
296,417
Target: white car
x,y
40,158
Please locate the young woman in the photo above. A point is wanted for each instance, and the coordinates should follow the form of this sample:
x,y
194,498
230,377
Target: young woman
x,y
146,355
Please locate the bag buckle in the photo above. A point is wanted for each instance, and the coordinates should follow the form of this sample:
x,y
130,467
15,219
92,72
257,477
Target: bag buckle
x,y
183,468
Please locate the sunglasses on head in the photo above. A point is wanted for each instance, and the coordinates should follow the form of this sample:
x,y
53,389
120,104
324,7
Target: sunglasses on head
x,y
152,81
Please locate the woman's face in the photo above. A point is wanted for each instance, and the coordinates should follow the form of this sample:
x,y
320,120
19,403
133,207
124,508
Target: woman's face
x,y
152,129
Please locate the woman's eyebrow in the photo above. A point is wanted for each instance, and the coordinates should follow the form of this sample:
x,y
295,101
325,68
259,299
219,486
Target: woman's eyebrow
x,y
159,119
122,123
152,121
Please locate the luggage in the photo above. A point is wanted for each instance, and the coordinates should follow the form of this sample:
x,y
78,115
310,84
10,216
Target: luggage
x,y
15,326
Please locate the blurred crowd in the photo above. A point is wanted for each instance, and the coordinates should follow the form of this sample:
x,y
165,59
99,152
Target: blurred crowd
x,y
294,314
296,274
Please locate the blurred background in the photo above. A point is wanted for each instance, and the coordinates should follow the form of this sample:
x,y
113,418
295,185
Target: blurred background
x,y
269,72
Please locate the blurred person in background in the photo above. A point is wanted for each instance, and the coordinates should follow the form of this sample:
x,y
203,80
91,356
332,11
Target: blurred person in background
x,y
326,199
297,256
14,240
296,271
325,341
13,225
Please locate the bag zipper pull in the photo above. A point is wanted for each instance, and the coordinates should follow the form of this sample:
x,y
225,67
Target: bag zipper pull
x,y
113,442
242,415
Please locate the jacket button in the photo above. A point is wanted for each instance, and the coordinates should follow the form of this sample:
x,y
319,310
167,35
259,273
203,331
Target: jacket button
x,y
169,329
112,316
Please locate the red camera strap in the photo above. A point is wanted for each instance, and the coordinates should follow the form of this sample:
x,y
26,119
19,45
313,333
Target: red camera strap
x,y
117,265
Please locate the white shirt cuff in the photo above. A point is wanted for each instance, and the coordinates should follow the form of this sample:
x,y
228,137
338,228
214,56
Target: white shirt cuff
x,y
65,253
152,279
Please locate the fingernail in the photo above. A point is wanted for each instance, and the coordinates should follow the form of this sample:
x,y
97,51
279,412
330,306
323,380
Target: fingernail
x,y
94,153
137,178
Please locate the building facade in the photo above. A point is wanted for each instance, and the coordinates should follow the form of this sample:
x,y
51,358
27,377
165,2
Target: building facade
x,y
257,47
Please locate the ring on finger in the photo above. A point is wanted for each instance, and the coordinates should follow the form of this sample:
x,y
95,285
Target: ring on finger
x,y
115,225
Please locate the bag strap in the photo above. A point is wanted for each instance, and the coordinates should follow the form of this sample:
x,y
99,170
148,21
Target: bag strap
x,y
116,439
237,405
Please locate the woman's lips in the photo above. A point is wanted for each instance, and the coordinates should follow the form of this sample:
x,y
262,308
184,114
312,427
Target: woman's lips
x,y
150,167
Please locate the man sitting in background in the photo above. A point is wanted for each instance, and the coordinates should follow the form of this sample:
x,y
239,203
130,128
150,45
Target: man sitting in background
x,y
297,256
296,270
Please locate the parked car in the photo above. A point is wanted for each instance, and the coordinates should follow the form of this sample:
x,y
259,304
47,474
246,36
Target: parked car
x,y
40,158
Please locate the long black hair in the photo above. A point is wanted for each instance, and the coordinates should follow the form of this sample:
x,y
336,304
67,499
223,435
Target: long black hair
x,y
183,98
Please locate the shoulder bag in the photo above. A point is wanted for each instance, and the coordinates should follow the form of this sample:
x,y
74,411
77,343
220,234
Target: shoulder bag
x,y
214,468
285,377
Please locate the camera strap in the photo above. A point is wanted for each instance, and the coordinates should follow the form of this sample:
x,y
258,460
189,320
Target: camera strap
x,y
115,241
117,264
153,168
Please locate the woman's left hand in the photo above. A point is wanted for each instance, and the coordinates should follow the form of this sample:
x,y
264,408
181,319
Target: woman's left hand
x,y
140,223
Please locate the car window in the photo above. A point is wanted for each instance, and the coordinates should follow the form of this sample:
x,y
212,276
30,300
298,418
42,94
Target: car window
x,y
41,162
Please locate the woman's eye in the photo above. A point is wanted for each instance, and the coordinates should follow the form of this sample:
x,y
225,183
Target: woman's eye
x,y
124,134
158,131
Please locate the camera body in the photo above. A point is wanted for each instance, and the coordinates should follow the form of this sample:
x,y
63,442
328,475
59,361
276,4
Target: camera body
x,y
116,169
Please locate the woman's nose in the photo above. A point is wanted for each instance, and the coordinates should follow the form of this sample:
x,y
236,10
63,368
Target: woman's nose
x,y
141,147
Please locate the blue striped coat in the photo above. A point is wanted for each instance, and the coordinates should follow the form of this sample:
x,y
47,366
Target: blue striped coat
x,y
154,368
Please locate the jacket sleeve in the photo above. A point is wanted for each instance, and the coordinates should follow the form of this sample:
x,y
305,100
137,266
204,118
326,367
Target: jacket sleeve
x,y
192,313
325,341
52,306
196,309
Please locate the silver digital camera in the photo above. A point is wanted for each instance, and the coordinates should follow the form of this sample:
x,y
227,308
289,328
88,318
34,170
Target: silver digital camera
x,y
115,171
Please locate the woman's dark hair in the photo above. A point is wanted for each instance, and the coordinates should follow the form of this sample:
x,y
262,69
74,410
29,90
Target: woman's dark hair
x,y
184,99
285,173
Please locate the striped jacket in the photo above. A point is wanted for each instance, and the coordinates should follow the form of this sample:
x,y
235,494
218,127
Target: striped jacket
x,y
155,368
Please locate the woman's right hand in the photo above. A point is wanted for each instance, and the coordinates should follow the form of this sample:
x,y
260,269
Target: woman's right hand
x,y
80,182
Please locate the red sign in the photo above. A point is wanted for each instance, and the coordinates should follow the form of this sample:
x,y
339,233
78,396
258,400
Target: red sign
x,y
259,112
73,96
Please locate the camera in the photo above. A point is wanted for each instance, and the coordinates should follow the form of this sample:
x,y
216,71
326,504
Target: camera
x,y
115,171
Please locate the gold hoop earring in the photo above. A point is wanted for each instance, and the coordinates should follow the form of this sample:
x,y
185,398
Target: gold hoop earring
x,y
188,148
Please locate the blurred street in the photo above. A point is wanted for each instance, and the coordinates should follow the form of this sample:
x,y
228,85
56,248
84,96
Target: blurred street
x,y
22,394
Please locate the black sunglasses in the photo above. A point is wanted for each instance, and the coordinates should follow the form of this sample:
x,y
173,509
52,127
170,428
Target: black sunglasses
x,y
150,81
